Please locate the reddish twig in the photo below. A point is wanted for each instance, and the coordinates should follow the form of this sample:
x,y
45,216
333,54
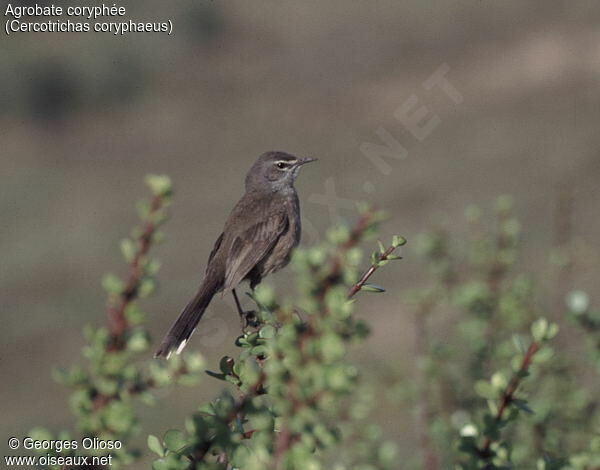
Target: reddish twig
x,y
369,272
117,320
282,444
509,395
336,267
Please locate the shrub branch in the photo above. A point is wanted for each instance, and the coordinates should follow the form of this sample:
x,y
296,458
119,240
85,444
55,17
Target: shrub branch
x,y
331,275
117,320
509,395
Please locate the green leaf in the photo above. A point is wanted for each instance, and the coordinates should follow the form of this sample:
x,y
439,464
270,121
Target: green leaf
x,y
491,427
151,266
499,381
397,241
552,331
260,350
120,416
316,256
194,361
249,373
267,331
338,235
354,256
363,207
134,314
539,329
226,365
139,341
40,434
128,249
543,355
388,453
522,405
332,347
143,210
216,375
469,430
160,185
336,301
372,288
112,284
504,203
518,343
147,287
578,302
155,445
161,465
486,390
264,294
175,440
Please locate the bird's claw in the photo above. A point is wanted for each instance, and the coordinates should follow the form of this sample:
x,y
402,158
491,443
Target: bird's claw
x,y
249,319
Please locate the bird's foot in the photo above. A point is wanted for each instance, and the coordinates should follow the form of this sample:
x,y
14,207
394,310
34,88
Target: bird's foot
x,y
249,319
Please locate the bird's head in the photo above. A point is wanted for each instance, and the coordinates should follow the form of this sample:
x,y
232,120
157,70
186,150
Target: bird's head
x,y
274,171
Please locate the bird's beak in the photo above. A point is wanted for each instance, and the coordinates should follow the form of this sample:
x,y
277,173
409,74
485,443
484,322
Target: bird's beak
x,y
304,160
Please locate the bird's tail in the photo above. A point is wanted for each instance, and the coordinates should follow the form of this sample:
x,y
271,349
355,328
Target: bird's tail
x,y
184,326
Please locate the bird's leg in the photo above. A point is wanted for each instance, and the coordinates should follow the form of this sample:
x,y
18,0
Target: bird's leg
x,y
239,308
246,318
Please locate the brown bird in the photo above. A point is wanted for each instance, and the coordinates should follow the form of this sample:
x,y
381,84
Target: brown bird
x,y
259,236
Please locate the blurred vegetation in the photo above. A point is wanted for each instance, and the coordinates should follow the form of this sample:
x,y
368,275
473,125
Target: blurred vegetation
x,y
114,375
466,378
490,393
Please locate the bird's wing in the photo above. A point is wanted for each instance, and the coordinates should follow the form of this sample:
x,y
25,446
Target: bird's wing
x,y
214,250
250,246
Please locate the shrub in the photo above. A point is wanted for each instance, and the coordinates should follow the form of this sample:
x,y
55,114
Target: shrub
x,y
489,393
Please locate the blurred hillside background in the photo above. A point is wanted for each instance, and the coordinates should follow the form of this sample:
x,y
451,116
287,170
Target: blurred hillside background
x,y
84,116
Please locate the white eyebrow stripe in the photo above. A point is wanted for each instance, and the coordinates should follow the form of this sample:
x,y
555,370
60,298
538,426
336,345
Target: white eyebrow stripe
x,y
286,162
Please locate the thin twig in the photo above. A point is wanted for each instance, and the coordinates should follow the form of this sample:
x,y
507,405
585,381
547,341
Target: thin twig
x,y
509,395
369,272
117,319
282,444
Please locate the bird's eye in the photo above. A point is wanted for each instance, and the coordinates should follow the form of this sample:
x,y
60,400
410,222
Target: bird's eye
x,y
281,165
